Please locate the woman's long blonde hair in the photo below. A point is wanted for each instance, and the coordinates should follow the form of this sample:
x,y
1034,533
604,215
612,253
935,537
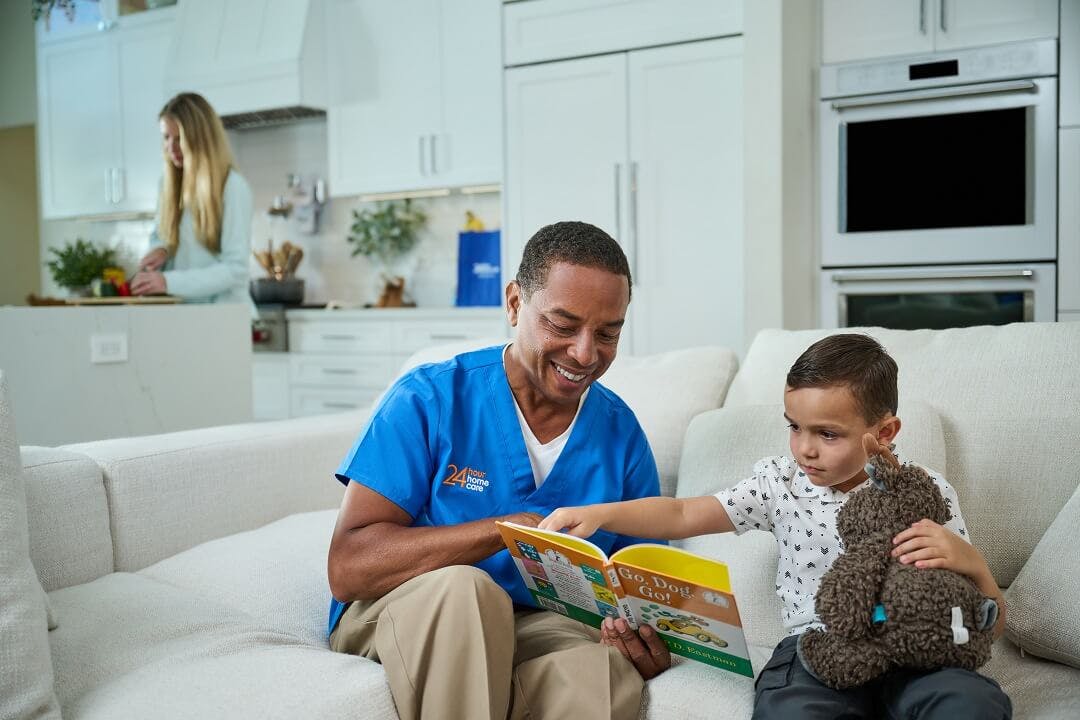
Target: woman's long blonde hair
x,y
200,185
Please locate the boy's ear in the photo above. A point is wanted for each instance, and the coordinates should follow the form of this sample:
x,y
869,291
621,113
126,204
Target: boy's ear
x,y
890,428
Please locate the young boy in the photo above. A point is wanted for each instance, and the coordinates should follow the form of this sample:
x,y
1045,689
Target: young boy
x,y
840,390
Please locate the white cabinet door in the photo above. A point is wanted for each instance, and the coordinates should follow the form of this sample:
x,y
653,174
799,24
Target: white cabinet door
x,y
270,386
1069,79
382,139
468,151
566,148
1069,221
79,134
859,29
557,29
686,214
968,23
141,59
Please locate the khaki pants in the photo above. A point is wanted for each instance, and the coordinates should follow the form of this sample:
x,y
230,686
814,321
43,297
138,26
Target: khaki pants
x,y
445,641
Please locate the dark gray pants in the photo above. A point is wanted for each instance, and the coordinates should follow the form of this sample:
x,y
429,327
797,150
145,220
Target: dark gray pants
x,y
786,690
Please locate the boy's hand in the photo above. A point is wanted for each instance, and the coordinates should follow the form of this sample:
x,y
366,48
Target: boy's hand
x,y
580,522
929,545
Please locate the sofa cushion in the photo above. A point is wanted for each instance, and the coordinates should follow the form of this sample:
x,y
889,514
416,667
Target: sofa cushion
x,y
1041,601
26,672
69,517
1007,397
1039,689
132,646
721,449
276,573
664,390
170,492
693,690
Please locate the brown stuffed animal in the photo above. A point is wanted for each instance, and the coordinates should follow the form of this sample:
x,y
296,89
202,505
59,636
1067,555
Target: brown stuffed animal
x,y
880,614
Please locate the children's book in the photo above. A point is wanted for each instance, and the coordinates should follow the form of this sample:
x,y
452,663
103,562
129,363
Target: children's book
x,y
685,597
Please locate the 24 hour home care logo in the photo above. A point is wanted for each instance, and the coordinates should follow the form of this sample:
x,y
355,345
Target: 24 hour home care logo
x,y
467,478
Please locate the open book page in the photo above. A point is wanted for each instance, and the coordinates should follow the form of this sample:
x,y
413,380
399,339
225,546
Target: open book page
x,y
564,574
688,600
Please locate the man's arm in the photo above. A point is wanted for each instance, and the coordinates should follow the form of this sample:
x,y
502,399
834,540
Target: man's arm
x,y
374,549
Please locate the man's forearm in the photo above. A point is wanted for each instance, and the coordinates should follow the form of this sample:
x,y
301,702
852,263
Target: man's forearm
x,y
377,558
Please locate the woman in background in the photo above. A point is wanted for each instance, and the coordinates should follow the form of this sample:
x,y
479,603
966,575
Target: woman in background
x,y
202,234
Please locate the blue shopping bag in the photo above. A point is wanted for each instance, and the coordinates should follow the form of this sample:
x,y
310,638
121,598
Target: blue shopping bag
x,y
479,278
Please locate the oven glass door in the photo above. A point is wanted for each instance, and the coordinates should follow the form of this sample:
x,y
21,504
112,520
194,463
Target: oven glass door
x,y
934,298
949,175
937,311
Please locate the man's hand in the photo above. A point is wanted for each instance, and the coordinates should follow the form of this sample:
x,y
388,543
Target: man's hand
x,y
645,649
153,260
148,283
528,519
580,522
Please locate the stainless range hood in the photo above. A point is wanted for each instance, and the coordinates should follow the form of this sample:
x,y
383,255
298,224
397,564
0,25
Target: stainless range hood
x,y
258,62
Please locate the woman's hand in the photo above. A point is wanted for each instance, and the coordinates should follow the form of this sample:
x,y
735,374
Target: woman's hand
x,y
148,283
153,260
580,522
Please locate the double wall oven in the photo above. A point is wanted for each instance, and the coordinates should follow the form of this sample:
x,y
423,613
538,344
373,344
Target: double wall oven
x,y
939,188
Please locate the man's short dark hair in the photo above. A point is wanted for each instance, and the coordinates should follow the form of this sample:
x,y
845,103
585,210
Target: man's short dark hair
x,y
576,243
857,362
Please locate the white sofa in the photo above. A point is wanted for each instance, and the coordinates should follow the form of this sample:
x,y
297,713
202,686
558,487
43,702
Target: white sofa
x,y
186,572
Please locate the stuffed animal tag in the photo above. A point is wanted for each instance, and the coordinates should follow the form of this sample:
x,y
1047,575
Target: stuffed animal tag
x,y
959,632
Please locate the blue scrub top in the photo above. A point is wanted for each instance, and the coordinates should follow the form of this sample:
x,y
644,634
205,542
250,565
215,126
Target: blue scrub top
x,y
446,446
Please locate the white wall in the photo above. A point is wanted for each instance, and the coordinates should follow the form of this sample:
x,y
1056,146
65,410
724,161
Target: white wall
x,y
188,366
18,77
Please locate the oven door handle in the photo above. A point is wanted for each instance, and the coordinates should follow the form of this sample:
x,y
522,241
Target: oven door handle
x,y
997,88
840,277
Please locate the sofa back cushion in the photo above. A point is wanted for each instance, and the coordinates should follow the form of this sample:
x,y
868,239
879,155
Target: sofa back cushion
x,y
665,391
26,672
1008,398
721,449
170,492
70,541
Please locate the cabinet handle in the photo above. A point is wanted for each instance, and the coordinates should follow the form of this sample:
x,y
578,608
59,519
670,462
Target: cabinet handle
x,y
941,15
618,204
334,336
423,167
922,16
338,371
118,184
108,186
449,336
634,217
339,405
434,155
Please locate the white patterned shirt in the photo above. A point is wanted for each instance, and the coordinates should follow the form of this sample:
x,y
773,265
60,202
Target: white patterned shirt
x,y
780,499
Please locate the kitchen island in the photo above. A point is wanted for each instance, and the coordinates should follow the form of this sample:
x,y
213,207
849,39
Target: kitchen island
x,y
87,373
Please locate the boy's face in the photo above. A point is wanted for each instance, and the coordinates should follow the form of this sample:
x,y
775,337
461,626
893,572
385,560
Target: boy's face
x,y
826,431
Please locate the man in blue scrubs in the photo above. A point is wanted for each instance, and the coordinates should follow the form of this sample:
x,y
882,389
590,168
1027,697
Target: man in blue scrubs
x,y
419,575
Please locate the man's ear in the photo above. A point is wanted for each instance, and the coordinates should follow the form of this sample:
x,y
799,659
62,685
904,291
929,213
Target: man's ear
x,y
890,428
513,302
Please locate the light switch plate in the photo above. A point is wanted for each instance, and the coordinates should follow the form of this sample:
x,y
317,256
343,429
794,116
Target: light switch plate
x,y
108,348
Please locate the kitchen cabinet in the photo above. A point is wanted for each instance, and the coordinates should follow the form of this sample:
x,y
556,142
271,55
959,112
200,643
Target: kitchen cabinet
x,y
98,98
1069,67
862,29
656,162
344,359
544,30
418,104
1069,220
270,385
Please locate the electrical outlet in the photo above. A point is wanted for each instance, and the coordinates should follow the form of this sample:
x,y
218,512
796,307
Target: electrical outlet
x,y
108,348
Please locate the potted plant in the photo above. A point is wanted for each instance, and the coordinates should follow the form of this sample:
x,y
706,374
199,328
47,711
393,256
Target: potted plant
x,y
78,264
387,234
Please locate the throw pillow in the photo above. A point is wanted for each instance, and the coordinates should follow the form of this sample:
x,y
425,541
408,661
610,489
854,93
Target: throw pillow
x,y
1041,601
26,673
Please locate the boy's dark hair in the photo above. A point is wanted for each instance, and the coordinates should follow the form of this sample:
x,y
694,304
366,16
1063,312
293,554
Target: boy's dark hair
x,y
577,243
857,362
